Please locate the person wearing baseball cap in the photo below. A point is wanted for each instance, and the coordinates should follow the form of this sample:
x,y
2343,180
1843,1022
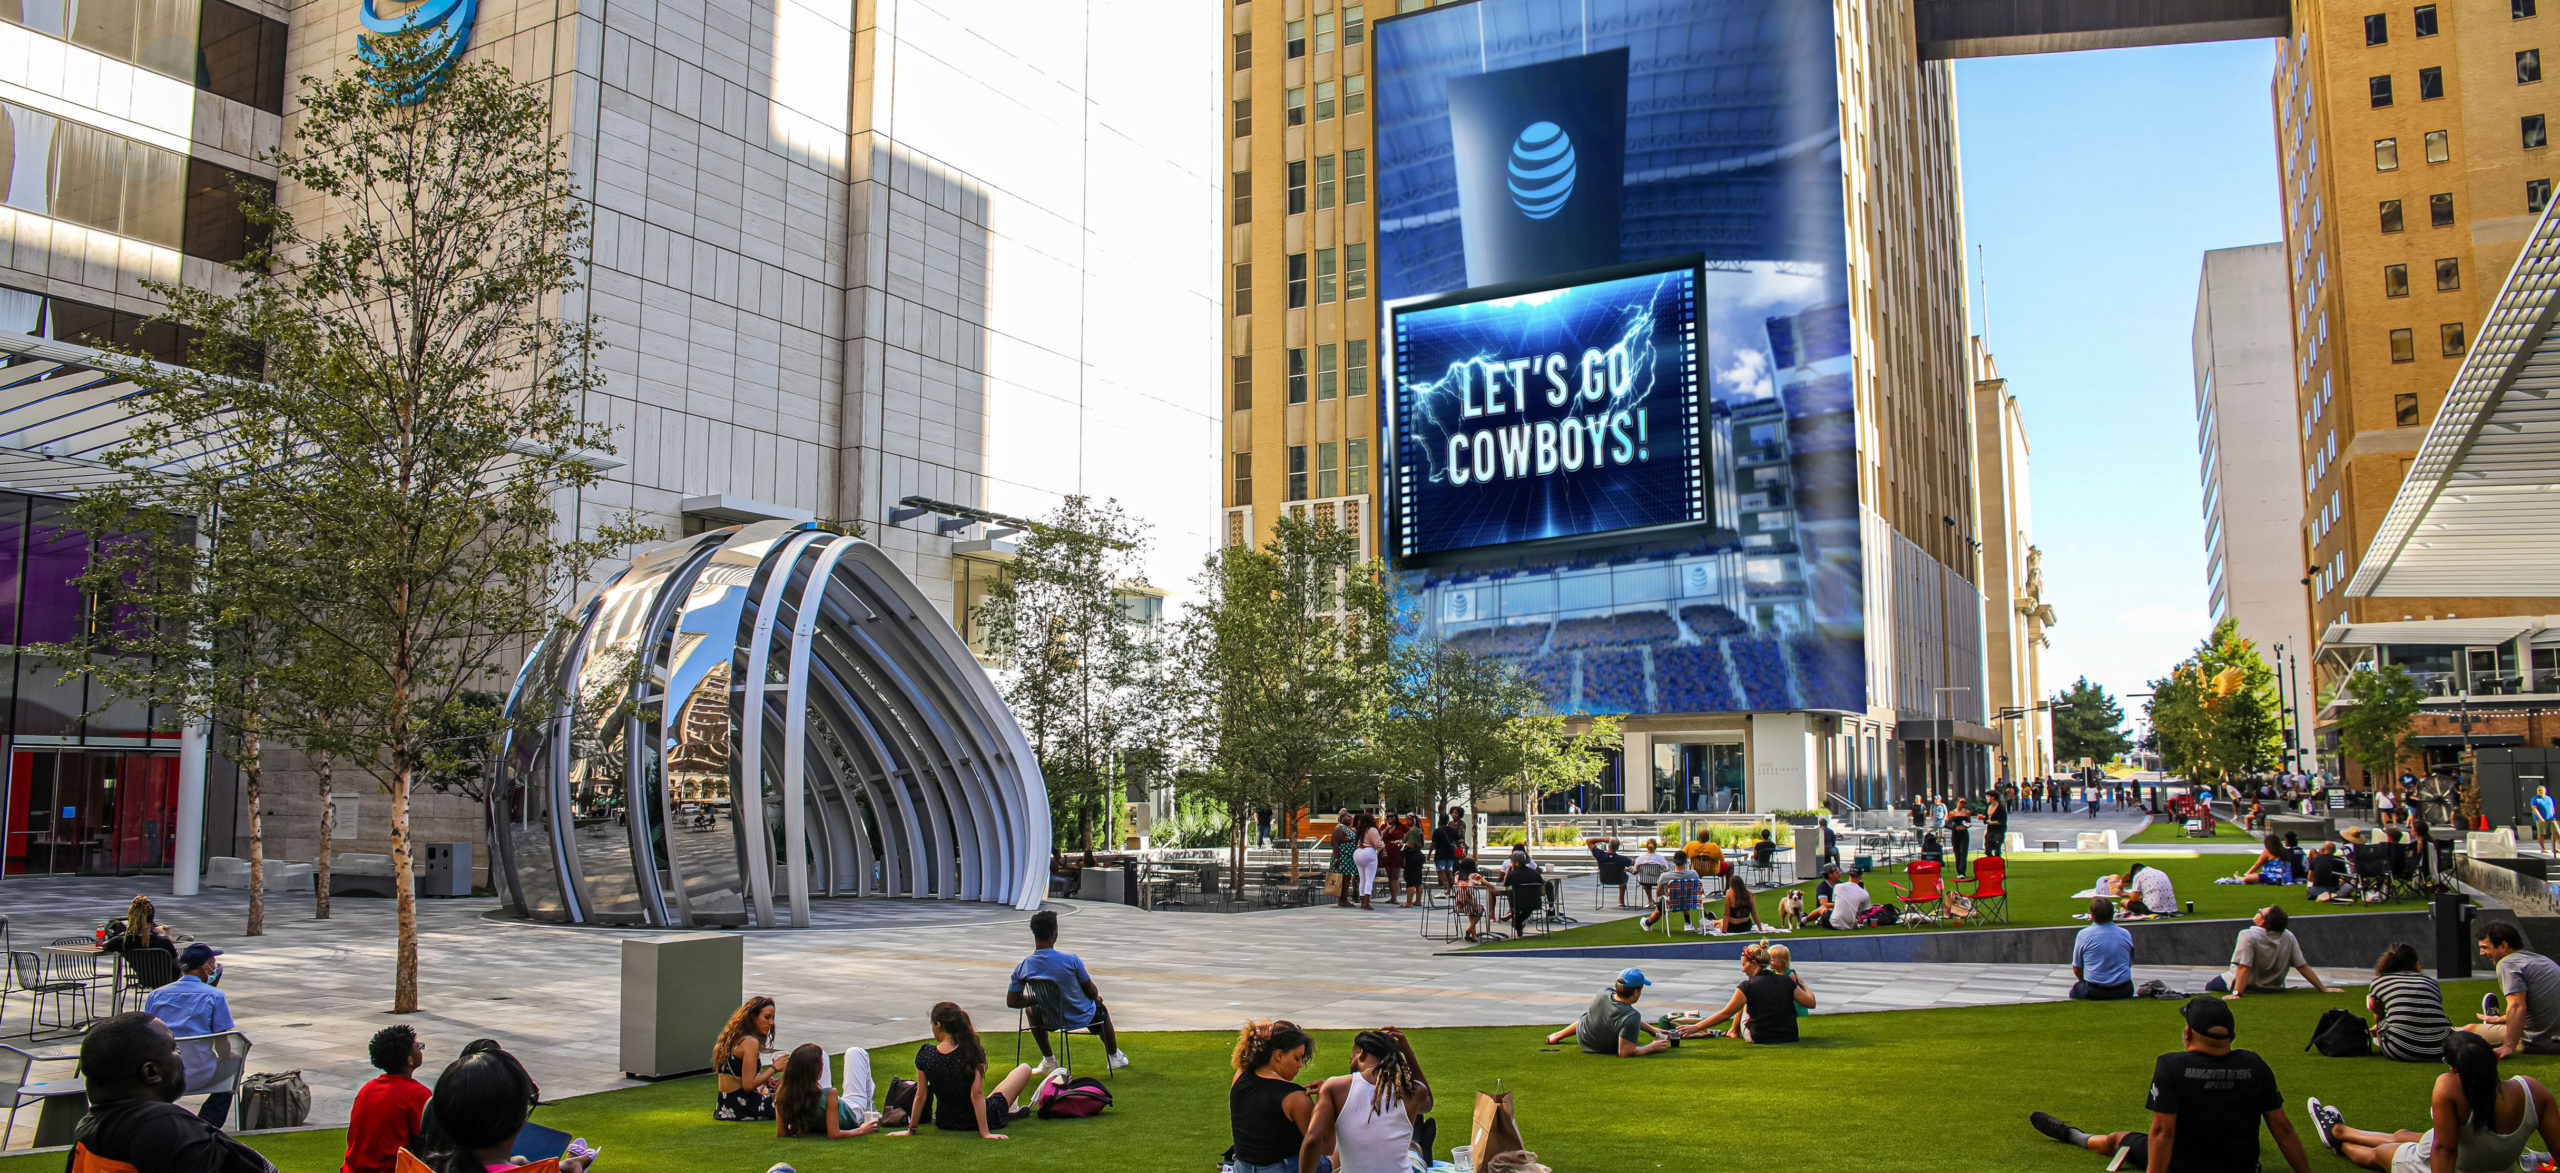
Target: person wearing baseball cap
x,y
2206,1101
191,1006
1612,1026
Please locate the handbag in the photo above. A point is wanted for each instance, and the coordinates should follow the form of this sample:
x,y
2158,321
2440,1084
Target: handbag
x,y
274,1099
2341,1035
1333,883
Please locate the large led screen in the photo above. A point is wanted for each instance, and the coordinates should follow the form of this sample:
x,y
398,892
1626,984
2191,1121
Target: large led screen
x,y
1547,413
1550,180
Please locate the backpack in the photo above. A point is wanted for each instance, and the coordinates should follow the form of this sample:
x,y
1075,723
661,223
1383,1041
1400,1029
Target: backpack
x,y
1075,1099
1882,914
274,1099
2341,1035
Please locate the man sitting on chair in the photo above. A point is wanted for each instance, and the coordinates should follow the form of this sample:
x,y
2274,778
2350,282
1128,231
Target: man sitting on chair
x,y
1680,891
1080,1005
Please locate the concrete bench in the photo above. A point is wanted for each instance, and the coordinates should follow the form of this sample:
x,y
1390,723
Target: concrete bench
x,y
363,874
228,871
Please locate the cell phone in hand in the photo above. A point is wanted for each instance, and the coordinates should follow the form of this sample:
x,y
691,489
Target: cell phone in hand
x,y
578,1148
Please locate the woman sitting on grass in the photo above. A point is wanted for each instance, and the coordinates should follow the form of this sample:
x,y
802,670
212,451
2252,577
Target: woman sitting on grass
x,y
1763,1004
1267,1112
2409,1023
951,1080
2481,1122
2269,852
1740,915
807,1105
480,1104
1365,1119
746,1091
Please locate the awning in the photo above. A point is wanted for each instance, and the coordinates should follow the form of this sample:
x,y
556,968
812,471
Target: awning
x,y
1946,731
2457,741
60,414
2474,633
2478,515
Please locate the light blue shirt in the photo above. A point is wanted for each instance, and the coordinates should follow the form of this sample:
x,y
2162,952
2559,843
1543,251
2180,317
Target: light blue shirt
x,y
2542,807
1067,972
190,1007
2104,954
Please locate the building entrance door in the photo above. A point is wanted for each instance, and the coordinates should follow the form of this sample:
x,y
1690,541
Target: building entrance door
x,y
1697,777
88,812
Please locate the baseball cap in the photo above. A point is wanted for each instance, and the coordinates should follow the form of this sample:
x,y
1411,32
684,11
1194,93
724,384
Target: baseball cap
x,y
1633,979
2210,1017
196,955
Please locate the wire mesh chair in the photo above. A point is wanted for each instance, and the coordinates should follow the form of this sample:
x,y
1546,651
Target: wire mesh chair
x,y
27,971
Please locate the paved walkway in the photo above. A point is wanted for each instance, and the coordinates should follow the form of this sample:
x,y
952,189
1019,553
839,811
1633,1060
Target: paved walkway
x,y
310,993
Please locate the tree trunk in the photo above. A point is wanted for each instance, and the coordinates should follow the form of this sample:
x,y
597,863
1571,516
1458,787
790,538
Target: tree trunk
x,y
251,763
328,829
404,888
1235,870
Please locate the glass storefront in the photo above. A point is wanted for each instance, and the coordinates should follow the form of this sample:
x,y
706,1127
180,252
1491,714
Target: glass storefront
x,y
91,781
1698,777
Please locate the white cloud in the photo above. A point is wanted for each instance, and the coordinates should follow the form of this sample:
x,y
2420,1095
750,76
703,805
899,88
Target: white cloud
x,y
1747,377
2164,618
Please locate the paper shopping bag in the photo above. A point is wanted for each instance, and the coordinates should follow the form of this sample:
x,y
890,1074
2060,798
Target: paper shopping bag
x,y
1495,1132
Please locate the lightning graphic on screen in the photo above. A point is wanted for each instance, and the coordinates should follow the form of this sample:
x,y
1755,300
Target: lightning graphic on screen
x,y
1437,407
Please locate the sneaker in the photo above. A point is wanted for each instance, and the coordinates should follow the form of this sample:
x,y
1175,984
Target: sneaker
x,y
1119,1059
1048,1063
1645,923
2489,1005
2325,1120
2046,1123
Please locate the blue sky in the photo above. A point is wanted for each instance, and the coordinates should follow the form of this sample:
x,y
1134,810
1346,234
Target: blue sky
x,y
2093,184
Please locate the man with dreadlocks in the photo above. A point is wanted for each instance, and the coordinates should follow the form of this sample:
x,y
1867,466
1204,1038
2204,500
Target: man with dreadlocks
x,y
1366,1118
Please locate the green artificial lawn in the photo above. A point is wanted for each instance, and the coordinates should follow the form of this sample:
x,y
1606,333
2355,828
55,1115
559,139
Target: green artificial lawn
x,y
1916,1089
2174,831
2040,890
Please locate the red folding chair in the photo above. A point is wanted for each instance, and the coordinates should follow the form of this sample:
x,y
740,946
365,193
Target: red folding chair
x,y
1925,888
1990,893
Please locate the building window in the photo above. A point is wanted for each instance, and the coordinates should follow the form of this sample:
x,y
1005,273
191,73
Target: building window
x,y
2450,334
1296,36
1296,102
1324,182
239,54
2448,274
1355,176
62,319
2377,30
1243,51
2404,346
1297,187
2519,9
1297,281
2404,410
2440,209
1244,289
2424,20
2380,87
1244,478
1356,365
1355,271
2391,216
2536,133
1243,117
1324,32
1241,185
1240,375
2386,151
2439,146
2395,281
1297,472
1297,374
1355,94
1324,100
1328,475
1354,28
2537,195
217,47
1355,466
2430,83
2528,66
1326,388
1324,277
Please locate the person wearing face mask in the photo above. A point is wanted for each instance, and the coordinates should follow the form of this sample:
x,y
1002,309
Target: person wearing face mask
x,y
191,1006
134,1075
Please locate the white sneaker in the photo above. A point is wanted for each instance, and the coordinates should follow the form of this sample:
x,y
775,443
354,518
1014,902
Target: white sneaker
x,y
1119,1059
1048,1086
1047,1064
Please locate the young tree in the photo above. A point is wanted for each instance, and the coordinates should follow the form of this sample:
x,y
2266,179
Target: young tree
x,y
2087,723
428,393
1445,733
1282,659
2373,730
2215,715
1082,673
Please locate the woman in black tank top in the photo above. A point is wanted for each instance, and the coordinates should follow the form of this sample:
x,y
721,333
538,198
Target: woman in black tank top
x,y
1267,1110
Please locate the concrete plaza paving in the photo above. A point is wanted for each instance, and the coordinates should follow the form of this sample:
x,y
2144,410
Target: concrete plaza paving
x,y
309,993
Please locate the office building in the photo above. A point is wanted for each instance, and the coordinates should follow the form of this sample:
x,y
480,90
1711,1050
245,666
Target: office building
x,y
2015,613
2254,536
894,264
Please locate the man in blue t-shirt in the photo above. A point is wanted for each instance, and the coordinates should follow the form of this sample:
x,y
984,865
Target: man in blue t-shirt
x,y
1079,1005
2546,835
2102,957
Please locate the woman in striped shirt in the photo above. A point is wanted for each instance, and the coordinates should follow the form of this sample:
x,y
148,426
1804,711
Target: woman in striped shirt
x,y
2409,1023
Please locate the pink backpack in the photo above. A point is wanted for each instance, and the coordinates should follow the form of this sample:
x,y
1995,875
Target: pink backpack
x,y
1075,1099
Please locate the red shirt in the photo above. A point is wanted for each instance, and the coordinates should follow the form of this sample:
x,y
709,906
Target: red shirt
x,y
385,1117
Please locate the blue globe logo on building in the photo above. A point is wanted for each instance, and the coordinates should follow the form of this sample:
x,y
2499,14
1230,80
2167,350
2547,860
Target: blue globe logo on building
x,y
1541,170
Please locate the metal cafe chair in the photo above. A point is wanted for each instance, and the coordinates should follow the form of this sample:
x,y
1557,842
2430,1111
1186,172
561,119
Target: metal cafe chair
x,y
27,971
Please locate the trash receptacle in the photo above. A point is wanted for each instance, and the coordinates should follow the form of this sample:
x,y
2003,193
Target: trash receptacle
x,y
448,870
2452,916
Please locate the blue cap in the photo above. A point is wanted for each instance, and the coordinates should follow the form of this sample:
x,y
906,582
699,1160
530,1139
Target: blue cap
x,y
196,955
1633,979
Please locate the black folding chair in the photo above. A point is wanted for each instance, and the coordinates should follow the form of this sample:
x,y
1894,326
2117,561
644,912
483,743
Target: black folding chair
x,y
146,970
1052,1004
